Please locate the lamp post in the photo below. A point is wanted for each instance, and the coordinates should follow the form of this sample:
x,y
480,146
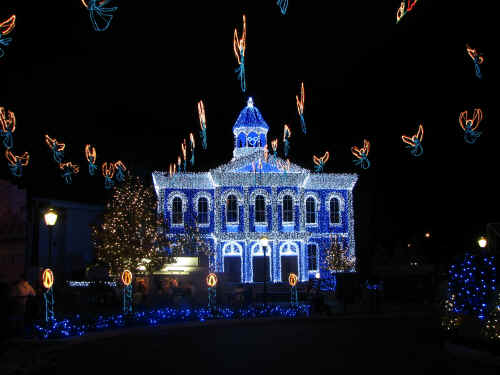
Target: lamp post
x,y
50,218
482,242
263,243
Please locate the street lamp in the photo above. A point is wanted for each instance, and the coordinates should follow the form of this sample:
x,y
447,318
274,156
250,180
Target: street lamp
x,y
482,242
264,242
50,218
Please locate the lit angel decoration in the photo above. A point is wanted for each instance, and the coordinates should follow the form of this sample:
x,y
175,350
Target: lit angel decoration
x,y
99,15
179,165
69,169
469,126
56,147
191,146
286,136
184,154
415,142
274,146
5,29
320,162
477,58
300,107
361,154
108,171
203,124
16,163
7,127
239,46
119,171
91,156
403,9
283,4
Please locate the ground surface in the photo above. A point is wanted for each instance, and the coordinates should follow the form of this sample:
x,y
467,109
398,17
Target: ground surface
x,y
389,343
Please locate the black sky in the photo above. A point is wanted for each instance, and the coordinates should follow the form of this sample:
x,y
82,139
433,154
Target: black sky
x,y
132,91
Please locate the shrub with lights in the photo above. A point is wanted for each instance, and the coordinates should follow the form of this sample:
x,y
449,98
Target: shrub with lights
x,y
471,282
77,327
491,329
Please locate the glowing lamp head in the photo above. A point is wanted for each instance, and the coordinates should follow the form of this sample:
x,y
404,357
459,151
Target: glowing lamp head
x,y
264,242
211,280
47,278
50,217
482,242
427,235
317,275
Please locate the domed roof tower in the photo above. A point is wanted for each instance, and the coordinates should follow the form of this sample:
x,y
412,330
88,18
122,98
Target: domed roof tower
x,y
250,131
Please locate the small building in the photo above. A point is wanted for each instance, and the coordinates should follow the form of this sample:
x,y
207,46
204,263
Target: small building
x,y
259,194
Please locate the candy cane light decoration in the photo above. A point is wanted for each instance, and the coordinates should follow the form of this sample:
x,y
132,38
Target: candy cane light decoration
x,y
300,107
6,27
239,47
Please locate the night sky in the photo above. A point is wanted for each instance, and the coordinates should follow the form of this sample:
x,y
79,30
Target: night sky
x,y
132,90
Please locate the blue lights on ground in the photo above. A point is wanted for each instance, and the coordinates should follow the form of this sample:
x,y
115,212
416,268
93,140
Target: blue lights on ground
x,y
76,327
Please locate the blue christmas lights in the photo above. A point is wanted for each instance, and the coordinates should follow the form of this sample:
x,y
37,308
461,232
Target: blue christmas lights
x,y
470,284
76,327
283,4
100,15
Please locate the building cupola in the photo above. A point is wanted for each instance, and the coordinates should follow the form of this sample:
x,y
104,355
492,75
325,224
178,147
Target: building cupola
x,y
250,131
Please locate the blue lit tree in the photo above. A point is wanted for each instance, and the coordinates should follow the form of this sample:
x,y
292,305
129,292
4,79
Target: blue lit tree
x,y
471,282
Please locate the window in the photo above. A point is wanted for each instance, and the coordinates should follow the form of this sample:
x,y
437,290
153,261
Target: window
x,y
260,209
231,209
311,256
310,211
334,211
202,210
177,211
287,209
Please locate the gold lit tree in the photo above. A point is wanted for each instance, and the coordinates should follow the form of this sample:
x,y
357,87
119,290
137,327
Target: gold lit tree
x,y
132,235
491,328
337,258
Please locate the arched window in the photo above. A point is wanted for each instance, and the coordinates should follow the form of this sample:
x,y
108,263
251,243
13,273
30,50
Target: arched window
x,y
310,211
202,210
231,209
334,211
177,211
260,209
287,209
312,251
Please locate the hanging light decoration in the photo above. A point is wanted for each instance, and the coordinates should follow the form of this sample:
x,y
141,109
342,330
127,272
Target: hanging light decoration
x,y
5,28
415,142
469,126
56,147
361,155
300,107
91,156
320,162
7,127
239,46
99,15
16,163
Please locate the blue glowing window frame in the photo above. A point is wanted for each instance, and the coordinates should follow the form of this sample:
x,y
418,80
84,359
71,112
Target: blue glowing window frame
x,y
312,257
260,210
334,211
310,211
288,209
177,213
231,209
202,210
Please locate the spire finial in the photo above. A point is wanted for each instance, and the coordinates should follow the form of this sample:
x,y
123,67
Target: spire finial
x,y
250,102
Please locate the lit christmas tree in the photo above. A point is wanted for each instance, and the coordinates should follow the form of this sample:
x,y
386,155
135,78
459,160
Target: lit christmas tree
x,y
471,282
337,257
492,327
450,320
132,235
